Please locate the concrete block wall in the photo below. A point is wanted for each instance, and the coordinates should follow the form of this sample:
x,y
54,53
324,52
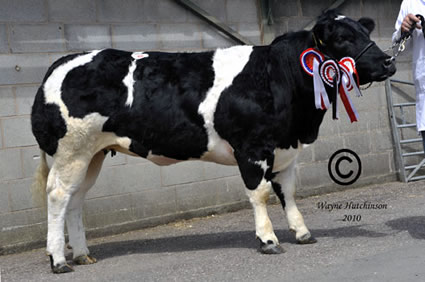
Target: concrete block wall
x,y
131,192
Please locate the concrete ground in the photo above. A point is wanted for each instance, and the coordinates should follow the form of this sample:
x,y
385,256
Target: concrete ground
x,y
386,244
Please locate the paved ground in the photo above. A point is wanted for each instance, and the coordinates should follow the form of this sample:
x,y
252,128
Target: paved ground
x,y
384,245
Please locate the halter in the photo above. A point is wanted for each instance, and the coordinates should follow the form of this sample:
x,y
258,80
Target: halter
x,y
364,50
358,56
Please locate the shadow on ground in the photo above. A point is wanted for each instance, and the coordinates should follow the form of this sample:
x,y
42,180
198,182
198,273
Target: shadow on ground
x,y
241,239
415,225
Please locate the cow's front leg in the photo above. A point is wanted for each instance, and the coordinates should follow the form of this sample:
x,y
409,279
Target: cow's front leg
x,y
269,244
284,187
256,176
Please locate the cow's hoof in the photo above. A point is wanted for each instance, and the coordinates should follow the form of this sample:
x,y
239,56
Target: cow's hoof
x,y
85,259
62,268
270,248
306,239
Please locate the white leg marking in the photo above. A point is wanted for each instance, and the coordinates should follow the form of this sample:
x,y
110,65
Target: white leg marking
x,y
258,198
74,220
286,179
227,64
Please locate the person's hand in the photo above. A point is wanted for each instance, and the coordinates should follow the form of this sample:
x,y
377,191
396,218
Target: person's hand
x,y
409,21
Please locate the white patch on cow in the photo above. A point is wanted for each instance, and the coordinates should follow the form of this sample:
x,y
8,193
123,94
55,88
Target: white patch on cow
x,y
227,64
284,157
129,78
222,154
129,83
340,17
258,198
53,85
124,142
263,165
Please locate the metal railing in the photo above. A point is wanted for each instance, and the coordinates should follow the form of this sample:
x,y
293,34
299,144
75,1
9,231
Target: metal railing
x,y
398,124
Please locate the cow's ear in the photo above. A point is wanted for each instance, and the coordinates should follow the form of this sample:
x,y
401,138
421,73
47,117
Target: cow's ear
x,y
368,23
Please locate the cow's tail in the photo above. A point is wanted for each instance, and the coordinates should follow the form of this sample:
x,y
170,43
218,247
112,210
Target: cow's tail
x,y
39,183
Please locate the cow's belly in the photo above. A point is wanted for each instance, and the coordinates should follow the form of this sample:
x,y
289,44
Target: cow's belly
x,y
284,157
221,153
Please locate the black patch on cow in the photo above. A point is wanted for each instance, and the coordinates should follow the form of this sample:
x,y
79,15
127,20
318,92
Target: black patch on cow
x,y
164,115
251,172
47,123
277,188
97,87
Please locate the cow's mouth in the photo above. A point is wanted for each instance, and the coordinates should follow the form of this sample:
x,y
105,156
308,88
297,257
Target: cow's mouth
x,y
389,71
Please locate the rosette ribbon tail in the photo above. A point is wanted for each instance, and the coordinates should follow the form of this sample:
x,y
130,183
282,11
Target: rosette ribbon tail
x,y
345,98
335,114
321,98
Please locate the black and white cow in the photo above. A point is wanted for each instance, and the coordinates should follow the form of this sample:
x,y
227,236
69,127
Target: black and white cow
x,y
250,106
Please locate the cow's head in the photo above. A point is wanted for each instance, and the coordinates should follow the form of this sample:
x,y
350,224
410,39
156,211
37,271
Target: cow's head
x,y
338,36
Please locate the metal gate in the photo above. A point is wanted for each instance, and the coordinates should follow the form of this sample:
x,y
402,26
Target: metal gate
x,y
409,154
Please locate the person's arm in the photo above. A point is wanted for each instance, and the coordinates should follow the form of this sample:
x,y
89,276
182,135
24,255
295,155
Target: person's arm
x,y
398,24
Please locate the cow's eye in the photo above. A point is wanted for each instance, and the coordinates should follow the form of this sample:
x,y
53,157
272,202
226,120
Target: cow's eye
x,y
343,38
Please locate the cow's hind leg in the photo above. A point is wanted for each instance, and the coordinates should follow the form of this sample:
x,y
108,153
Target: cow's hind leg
x,y
284,187
74,220
63,181
256,175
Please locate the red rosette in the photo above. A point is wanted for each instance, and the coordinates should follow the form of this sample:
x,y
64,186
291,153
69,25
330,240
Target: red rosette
x,y
307,58
350,64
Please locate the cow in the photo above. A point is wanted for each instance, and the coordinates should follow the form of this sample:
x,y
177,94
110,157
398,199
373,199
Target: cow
x,y
250,106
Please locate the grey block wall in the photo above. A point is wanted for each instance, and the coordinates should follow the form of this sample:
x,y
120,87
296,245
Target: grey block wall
x,y
131,192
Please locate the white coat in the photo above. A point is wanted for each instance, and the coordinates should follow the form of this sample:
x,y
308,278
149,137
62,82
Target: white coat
x,y
417,45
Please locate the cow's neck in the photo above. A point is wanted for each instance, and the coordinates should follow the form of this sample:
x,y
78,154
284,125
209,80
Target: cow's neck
x,y
293,90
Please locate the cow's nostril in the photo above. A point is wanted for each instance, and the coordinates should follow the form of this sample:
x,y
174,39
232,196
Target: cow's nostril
x,y
388,62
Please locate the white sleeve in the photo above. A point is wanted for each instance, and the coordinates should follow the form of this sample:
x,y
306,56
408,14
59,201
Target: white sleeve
x,y
403,12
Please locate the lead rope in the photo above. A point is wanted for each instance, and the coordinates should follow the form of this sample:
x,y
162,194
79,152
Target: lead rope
x,y
405,36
